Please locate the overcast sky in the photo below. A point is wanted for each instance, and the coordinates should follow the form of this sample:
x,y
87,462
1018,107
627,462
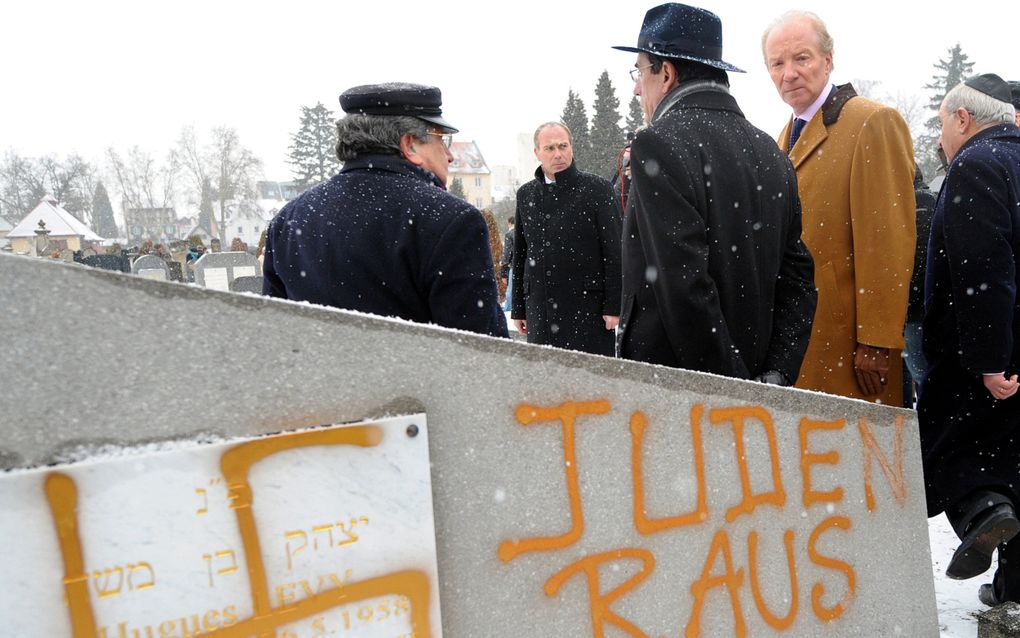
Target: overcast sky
x,y
82,76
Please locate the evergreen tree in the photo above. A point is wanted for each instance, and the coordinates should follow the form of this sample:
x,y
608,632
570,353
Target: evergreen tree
x,y
607,138
457,188
949,73
635,119
205,209
313,150
102,213
576,118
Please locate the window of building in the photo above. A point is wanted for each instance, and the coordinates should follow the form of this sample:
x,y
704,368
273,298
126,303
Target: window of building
x,y
478,181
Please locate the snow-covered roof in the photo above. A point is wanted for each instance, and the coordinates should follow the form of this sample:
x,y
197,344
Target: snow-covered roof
x,y
58,221
467,159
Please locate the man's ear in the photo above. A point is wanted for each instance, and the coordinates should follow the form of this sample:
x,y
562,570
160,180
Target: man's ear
x,y
965,119
670,77
409,150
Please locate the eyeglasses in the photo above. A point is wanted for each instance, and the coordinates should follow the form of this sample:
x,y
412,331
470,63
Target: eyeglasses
x,y
445,138
635,73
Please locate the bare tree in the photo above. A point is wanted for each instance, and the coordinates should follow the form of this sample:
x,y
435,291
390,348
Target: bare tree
x,y
22,185
71,182
229,166
142,182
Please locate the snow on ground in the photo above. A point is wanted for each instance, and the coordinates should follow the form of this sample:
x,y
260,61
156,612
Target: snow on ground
x,y
957,599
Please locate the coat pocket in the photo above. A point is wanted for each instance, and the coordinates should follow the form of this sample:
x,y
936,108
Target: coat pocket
x,y
830,304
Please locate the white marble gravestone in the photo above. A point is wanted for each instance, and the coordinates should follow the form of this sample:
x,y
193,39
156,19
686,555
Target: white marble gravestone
x,y
322,531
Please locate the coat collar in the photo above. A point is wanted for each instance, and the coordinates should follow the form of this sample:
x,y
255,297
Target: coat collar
x,y
1000,131
566,177
391,164
700,94
815,132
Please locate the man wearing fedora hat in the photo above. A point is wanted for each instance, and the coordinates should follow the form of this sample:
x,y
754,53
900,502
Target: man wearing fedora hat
x,y
855,169
969,411
715,276
383,235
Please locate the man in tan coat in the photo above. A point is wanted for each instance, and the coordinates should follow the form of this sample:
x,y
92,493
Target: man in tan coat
x,y
855,167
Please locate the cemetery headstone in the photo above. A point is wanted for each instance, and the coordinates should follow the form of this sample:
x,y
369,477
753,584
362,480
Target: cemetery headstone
x,y
151,267
217,270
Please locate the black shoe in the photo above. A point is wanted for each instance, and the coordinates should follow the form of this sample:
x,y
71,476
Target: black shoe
x,y
986,594
973,557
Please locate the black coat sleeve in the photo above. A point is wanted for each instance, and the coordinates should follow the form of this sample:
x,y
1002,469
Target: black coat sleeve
x,y
607,215
795,299
460,278
518,306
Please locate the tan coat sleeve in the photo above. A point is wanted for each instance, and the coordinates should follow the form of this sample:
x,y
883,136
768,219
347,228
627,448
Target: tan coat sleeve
x,y
884,233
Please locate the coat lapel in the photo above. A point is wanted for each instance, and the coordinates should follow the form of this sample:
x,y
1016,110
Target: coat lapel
x,y
810,138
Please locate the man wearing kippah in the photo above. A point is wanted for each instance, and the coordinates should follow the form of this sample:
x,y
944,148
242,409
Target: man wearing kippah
x,y
383,235
968,410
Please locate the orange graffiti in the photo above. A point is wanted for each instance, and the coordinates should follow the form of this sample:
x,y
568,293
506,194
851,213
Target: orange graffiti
x,y
235,464
830,613
731,580
600,611
737,416
63,499
566,413
807,459
774,621
894,475
644,524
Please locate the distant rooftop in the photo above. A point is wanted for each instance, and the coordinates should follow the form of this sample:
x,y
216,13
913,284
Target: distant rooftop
x,y
467,159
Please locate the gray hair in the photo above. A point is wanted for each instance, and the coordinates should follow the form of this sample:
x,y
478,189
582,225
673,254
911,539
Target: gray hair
x,y
542,127
360,134
984,109
825,42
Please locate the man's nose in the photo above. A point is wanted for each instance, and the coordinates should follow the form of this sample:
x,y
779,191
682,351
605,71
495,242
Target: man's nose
x,y
449,156
637,89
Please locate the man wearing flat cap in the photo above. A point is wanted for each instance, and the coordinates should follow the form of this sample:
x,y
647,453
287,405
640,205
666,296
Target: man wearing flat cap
x,y
383,235
855,169
715,276
969,410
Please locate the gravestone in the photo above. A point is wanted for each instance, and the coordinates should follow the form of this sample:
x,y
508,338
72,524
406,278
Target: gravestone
x,y
119,263
247,283
67,255
176,270
151,267
217,270
573,495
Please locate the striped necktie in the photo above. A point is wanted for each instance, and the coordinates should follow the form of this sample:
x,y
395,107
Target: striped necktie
x,y
798,126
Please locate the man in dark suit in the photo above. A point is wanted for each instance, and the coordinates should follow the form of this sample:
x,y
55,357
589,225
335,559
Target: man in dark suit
x,y
566,262
968,409
383,235
715,276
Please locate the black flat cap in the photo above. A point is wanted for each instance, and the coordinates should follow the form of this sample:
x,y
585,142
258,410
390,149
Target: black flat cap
x,y
675,30
397,98
1014,91
991,85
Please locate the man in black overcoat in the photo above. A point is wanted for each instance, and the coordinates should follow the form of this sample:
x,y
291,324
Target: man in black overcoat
x,y
566,262
715,276
968,409
383,235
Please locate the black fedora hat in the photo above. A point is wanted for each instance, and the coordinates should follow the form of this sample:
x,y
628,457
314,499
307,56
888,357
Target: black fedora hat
x,y
674,30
